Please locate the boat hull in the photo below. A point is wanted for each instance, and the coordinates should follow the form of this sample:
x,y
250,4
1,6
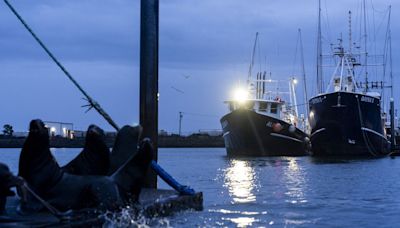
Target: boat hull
x,y
347,124
247,133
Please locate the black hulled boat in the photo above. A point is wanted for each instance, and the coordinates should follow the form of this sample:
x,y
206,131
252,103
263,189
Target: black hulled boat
x,y
347,120
265,125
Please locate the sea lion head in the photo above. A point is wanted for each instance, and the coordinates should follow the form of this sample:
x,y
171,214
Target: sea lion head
x,y
38,133
95,156
95,134
36,163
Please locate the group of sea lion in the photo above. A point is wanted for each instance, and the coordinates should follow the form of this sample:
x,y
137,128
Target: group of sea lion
x,y
96,178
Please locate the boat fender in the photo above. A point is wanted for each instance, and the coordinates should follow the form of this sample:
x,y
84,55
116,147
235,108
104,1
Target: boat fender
x,y
307,143
276,127
292,129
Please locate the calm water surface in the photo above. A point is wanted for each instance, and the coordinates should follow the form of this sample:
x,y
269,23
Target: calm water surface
x,y
276,192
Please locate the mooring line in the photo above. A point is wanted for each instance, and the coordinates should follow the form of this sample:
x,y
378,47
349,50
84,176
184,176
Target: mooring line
x,y
92,102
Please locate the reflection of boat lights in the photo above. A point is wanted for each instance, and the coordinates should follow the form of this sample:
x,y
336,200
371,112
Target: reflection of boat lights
x,y
293,165
239,179
295,182
243,221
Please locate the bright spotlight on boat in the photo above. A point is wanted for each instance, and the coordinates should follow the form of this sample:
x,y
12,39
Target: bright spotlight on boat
x,y
311,114
295,81
240,95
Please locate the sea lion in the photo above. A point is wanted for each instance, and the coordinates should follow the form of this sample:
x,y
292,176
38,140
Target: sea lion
x,y
126,142
67,191
7,180
94,159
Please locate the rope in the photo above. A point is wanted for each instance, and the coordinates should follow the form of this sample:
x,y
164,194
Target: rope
x,y
52,209
92,103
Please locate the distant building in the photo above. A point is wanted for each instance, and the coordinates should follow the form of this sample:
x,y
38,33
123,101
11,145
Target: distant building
x,y
61,129
20,134
211,132
79,134
163,133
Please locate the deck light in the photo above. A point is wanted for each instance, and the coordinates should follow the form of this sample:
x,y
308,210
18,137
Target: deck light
x,y
240,95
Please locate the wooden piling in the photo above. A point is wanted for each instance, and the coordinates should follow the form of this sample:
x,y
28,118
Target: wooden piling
x,y
149,18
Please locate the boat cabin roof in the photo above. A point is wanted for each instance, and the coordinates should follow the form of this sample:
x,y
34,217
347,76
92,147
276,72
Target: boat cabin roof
x,y
278,101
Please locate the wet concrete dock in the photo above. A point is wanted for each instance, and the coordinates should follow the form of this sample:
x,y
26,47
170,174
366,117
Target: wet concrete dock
x,y
153,203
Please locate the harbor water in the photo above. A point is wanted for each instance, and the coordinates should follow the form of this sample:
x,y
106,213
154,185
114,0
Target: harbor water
x,y
275,191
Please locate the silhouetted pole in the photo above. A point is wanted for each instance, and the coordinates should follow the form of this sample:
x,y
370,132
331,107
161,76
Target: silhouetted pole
x,y
149,14
180,123
392,130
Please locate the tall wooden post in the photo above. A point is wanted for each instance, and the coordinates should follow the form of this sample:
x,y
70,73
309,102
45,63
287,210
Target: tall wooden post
x,y
149,15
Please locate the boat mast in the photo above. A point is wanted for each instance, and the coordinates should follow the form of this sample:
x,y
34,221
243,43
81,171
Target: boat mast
x,y
319,52
350,38
303,73
252,59
390,53
293,98
365,47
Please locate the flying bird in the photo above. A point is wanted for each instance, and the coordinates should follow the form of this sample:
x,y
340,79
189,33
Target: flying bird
x,y
177,90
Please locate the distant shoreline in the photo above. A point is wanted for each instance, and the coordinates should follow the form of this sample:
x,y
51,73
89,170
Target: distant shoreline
x,y
169,141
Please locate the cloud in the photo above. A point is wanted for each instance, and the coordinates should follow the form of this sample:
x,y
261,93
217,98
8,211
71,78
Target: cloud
x,y
98,42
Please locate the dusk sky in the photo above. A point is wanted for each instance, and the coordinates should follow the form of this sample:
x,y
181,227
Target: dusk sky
x,y
205,49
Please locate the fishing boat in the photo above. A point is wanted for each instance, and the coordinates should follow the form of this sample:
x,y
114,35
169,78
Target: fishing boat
x,y
261,121
265,125
347,119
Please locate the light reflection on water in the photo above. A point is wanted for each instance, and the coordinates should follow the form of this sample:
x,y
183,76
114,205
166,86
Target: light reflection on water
x,y
295,181
239,179
278,191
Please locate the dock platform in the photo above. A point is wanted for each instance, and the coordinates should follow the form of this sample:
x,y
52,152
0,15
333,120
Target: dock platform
x,y
153,203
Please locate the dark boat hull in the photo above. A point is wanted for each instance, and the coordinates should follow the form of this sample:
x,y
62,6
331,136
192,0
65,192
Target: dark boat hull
x,y
347,124
247,133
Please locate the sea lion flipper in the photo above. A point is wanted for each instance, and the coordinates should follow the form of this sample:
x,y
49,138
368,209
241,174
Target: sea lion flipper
x,y
125,146
130,177
94,159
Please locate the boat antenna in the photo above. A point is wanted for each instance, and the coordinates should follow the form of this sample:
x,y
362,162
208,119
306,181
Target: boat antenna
x,y
350,38
303,72
252,58
319,51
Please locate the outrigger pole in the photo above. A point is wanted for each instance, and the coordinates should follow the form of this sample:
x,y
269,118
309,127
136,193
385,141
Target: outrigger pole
x,y
148,79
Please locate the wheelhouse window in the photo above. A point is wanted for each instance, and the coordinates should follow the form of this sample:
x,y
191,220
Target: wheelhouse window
x,y
263,106
274,108
249,105
231,106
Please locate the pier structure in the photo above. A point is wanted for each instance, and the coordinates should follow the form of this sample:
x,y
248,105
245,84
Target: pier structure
x,y
149,21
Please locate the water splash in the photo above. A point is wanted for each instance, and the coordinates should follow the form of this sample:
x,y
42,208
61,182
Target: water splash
x,y
132,217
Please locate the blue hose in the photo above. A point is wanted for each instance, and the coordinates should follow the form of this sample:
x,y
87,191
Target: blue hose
x,y
182,189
